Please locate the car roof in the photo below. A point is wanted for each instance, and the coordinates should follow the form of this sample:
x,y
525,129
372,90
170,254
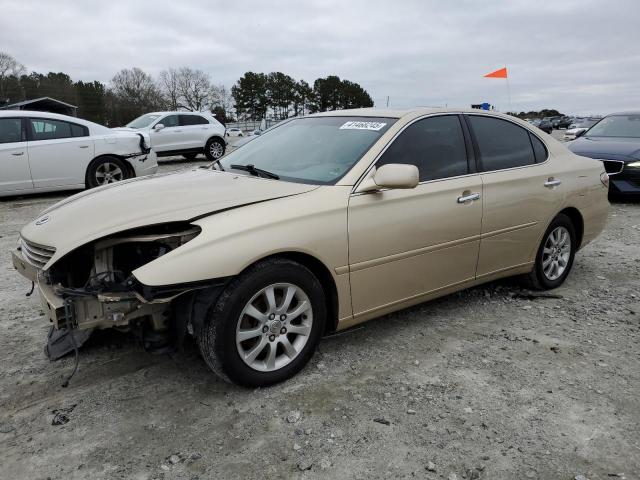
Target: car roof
x,y
630,112
36,113
404,112
176,111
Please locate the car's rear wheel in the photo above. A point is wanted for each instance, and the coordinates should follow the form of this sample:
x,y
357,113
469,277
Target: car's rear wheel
x,y
555,255
190,156
266,325
214,149
105,170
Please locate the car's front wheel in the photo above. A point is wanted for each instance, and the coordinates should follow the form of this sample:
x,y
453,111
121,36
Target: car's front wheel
x,y
214,149
555,255
105,170
266,325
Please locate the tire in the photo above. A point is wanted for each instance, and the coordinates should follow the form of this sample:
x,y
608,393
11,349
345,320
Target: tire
x,y
190,156
543,276
214,149
231,357
105,170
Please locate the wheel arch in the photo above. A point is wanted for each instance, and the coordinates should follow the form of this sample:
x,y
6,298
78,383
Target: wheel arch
x,y
578,223
322,273
216,136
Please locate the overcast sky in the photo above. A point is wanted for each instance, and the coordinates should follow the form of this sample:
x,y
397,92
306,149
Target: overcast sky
x,y
580,56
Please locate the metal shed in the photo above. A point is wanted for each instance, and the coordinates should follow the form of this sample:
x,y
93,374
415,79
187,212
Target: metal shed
x,y
44,104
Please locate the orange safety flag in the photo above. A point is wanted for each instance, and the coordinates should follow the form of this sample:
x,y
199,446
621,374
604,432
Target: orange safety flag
x,y
501,73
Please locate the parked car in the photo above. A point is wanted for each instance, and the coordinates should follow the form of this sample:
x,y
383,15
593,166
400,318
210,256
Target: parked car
x,y
318,224
257,131
545,125
615,141
234,132
579,127
183,133
562,122
43,152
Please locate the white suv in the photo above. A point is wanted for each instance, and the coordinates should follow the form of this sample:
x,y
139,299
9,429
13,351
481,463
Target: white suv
x,y
183,133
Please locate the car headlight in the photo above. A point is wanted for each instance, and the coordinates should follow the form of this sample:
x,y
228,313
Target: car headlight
x,y
634,164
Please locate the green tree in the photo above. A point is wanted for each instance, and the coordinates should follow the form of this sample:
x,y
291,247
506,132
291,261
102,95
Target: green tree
x,y
251,96
91,101
303,98
281,92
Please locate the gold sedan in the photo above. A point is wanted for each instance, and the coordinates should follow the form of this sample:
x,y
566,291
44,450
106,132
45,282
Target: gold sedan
x,y
320,223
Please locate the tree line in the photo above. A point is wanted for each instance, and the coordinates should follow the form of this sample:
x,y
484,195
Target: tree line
x,y
133,92
257,94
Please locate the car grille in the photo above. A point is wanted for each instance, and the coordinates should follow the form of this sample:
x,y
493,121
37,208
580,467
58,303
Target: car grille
x,y
36,255
613,166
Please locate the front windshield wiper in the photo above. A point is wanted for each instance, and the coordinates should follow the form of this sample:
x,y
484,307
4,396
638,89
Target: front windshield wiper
x,y
253,170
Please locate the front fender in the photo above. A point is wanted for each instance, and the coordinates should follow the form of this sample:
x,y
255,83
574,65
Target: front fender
x,y
314,223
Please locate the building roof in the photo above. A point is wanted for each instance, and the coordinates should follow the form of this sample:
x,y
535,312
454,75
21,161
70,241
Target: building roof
x,y
42,100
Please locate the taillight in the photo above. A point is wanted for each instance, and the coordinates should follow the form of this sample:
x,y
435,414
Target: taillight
x,y
604,178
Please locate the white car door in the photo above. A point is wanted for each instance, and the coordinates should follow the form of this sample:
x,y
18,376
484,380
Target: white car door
x,y
59,152
15,176
166,139
195,130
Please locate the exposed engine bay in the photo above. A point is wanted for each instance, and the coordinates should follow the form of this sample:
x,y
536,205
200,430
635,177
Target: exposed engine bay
x,y
93,287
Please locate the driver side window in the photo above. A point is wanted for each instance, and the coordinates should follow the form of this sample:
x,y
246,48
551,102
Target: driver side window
x,y
435,145
169,121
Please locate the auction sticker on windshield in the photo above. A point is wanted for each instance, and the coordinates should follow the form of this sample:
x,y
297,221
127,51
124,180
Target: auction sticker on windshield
x,y
362,126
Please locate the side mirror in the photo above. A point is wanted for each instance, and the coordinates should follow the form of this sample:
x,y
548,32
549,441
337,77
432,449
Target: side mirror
x,y
158,126
392,176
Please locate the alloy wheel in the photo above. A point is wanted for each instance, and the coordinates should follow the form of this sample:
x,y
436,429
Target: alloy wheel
x,y
274,327
556,253
108,172
216,150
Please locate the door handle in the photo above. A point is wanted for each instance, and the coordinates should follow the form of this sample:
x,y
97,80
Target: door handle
x,y
178,131
469,198
84,146
551,182
17,154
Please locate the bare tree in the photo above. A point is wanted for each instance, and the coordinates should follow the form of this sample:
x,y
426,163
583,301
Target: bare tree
x,y
169,86
132,93
9,67
196,92
188,89
136,88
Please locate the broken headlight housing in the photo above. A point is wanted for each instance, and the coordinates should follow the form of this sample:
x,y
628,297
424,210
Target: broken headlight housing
x,y
106,264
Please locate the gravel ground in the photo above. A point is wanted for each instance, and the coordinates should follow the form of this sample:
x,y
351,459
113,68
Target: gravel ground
x,y
480,384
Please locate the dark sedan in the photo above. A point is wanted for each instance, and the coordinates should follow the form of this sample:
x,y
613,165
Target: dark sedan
x,y
615,140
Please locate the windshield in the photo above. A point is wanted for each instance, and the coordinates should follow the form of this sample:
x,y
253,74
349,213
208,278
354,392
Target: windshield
x,y
616,126
585,123
143,121
318,150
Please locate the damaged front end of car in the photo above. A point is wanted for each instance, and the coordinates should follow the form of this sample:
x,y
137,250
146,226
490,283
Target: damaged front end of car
x,y
93,287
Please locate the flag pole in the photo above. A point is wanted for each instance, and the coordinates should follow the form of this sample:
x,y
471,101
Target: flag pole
x,y
509,94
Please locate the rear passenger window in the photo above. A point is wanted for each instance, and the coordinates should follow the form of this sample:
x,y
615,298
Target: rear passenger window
x,y
539,149
10,130
192,120
435,145
502,144
49,129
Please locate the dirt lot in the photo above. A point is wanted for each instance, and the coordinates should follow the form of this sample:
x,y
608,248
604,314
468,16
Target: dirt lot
x,y
481,384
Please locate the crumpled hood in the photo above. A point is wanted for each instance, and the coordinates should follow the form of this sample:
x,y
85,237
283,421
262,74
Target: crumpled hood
x,y
607,148
143,201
